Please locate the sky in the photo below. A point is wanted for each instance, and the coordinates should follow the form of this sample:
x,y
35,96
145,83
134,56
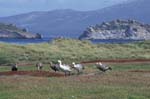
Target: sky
x,y
13,7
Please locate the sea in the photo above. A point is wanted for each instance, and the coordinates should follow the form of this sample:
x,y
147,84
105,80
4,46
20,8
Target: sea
x,y
46,40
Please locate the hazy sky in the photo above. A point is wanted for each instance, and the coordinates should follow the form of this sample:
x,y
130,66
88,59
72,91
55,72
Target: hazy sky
x,y
12,7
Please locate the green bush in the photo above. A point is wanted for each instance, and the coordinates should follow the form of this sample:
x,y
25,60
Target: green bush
x,y
69,50
6,59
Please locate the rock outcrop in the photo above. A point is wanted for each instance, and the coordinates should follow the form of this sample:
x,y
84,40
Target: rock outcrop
x,y
118,29
11,31
71,23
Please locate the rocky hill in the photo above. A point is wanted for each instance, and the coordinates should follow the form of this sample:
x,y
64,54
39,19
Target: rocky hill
x,y
11,31
71,23
118,29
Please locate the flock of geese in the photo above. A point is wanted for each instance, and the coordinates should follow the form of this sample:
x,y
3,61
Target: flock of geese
x,y
67,69
78,67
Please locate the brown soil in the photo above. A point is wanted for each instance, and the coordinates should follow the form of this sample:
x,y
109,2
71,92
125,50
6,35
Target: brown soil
x,y
140,71
32,73
120,61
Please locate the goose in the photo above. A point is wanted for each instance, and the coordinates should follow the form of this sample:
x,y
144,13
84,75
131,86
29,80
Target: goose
x,y
14,67
64,68
54,67
103,67
39,66
78,67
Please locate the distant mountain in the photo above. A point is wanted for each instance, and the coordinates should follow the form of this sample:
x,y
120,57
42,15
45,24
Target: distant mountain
x,y
118,29
11,31
70,23
66,22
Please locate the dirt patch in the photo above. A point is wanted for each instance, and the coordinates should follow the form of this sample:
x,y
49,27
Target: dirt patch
x,y
120,61
32,73
140,71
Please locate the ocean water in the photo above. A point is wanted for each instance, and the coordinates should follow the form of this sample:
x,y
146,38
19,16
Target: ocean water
x,y
26,41
114,41
44,40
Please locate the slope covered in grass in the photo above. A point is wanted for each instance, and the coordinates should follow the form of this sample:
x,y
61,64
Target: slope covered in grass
x,y
70,50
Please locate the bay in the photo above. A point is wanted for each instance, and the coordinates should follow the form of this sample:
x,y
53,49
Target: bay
x,y
44,40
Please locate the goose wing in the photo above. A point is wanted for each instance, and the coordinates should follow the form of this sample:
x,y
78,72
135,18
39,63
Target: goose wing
x,y
66,67
79,66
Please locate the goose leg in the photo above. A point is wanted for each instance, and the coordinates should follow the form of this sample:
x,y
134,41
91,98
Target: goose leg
x,y
69,73
78,72
65,73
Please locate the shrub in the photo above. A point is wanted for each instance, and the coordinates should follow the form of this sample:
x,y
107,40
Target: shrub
x,y
6,59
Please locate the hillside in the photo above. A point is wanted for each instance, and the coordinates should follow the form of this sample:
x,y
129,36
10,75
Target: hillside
x,y
70,23
11,31
118,29
72,50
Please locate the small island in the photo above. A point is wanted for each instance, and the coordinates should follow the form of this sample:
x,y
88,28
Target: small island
x,y
13,32
118,29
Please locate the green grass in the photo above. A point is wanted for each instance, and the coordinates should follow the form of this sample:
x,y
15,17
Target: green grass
x,y
24,68
131,66
119,83
72,50
116,84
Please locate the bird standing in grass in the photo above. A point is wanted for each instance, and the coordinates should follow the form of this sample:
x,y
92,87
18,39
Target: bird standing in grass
x,y
14,67
64,68
39,66
78,67
103,67
54,67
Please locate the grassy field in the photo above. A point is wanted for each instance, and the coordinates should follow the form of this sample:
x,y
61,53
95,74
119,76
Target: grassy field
x,y
72,50
120,83
117,84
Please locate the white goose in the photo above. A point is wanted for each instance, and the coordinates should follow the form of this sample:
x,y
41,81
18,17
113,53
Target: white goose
x,y
78,67
64,68
103,67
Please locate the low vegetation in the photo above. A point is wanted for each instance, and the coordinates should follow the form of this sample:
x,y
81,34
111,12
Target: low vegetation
x,y
125,81
72,50
119,83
